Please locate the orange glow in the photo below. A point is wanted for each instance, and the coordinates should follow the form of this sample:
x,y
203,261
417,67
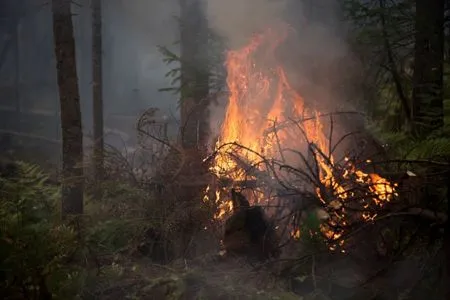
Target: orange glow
x,y
262,98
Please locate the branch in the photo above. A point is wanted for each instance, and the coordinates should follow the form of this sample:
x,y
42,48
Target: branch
x,y
292,122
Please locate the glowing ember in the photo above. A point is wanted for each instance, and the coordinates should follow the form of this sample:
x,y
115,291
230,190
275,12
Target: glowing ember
x,y
260,99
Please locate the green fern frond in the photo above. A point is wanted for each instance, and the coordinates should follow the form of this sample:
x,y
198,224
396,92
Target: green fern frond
x,y
437,148
27,194
33,241
32,174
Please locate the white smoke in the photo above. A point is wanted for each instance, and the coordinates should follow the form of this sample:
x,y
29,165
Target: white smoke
x,y
237,20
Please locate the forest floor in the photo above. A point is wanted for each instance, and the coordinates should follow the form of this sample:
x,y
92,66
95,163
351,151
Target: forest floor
x,y
208,277
220,276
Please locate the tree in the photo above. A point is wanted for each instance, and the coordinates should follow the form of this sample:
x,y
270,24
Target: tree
x,y
194,74
392,66
383,39
72,135
97,88
428,84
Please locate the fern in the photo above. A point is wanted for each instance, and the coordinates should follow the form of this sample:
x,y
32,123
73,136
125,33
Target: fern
x,y
437,148
33,242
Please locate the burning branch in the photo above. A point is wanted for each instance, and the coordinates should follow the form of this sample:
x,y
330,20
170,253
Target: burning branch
x,y
272,139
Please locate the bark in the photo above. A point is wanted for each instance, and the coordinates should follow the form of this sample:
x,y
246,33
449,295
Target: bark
x,y
194,74
428,108
97,89
72,135
194,119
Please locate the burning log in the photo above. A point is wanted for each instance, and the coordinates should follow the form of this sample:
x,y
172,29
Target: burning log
x,y
248,232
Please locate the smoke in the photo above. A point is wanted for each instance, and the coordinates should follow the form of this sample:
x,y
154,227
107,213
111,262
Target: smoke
x,y
132,32
237,20
315,55
315,46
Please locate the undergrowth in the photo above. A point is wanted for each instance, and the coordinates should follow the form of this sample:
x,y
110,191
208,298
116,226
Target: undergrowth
x,y
128,236
41,257
35,247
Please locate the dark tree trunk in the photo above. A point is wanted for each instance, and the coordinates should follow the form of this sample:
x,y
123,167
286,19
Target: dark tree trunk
x,y
428,104
97,88
194,103
72,135
194,74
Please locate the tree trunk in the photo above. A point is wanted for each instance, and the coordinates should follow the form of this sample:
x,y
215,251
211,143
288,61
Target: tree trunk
x,y
97,96
194,103
72,135
428,104
194,74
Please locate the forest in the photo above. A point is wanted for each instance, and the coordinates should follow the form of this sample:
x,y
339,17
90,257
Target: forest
x,y
307,154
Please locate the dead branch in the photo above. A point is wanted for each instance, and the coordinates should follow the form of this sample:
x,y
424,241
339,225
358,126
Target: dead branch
x,y
436,217
145,120
292,121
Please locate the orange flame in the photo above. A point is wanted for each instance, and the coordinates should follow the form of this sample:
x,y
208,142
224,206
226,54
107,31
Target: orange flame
x,y
260,98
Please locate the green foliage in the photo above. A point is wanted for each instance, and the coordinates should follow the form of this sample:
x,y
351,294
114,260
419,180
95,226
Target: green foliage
x,y
119,201
310,235
40,255
34,245
120,218
433,148
386,52
403,146
174,73
113,236
214,67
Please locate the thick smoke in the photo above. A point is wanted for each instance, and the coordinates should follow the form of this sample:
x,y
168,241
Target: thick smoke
x,y
237,20
314,48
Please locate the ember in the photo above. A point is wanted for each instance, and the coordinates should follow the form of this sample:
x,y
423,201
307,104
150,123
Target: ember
x,y
260,99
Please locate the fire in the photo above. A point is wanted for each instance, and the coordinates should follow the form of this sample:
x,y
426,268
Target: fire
x,y
260,101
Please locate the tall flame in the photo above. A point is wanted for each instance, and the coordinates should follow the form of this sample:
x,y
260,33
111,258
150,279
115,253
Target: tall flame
x,y
260,98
